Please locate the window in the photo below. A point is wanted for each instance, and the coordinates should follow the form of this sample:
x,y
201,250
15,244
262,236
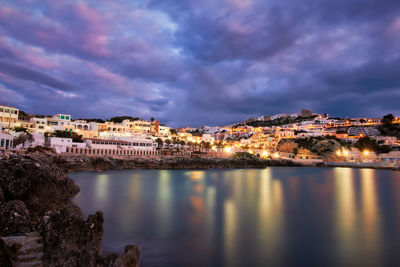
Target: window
x,y
62,117
7,111
1,109
2,143
67,117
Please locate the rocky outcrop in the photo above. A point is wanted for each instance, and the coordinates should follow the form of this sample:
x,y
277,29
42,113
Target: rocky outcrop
x,y
14,218
131,257
81,163
36,196
71,240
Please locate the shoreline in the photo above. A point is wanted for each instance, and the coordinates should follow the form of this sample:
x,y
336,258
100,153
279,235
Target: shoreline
x,y
83,163
39,223
36,205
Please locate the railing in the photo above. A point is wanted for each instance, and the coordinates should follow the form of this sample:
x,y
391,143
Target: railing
x,y
101,152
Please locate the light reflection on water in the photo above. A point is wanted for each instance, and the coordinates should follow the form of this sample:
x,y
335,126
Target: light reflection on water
x,y
274,216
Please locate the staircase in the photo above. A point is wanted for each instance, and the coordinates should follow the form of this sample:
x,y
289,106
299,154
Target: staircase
x,y
30,252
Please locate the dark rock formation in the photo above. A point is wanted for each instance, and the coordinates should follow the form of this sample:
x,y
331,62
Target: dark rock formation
x,y
81,163
71,239
131,257
36,195
14,218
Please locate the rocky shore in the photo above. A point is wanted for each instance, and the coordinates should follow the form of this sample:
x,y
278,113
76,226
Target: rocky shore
x,y
83,163
39,223
41,226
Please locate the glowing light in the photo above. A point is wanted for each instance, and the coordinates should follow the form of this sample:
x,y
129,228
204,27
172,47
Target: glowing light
x,y
213,148
276,155
265,154
227,149
345,152
251,151
366,153
338,153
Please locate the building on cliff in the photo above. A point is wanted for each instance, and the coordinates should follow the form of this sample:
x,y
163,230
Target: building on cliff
x,y
8,116
6,140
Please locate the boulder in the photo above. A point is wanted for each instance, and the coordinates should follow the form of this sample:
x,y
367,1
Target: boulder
x,y
69,239
131,257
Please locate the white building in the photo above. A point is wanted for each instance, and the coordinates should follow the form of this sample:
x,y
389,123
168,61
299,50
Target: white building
x,y
207,138
58,121
59,144
6,140
133,144
40,125
164,130
84,125
8,116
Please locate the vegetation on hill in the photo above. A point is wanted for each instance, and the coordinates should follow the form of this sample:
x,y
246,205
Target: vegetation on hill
x,y
366,143
122,118
276,122
244,155
317,145
64,134
388,128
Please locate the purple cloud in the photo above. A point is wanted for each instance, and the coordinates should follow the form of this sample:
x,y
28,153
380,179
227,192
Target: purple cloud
x,y
200,62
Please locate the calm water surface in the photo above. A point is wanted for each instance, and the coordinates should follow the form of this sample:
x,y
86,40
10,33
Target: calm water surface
x,y
254,217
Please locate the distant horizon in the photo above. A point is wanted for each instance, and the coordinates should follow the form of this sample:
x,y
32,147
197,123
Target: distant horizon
x,y
191,126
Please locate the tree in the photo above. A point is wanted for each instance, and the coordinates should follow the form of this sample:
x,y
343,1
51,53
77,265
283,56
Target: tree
x,y
151,119
23,139
61,134
159,142
168,142
389,118
20,129
122,118
366,143
64,134
207,146
173,131
22,116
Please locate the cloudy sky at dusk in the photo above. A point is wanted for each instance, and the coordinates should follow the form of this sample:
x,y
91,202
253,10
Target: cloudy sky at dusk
x,y
195,62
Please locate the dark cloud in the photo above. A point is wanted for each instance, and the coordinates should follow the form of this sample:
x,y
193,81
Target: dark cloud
x,y
200,62
25,73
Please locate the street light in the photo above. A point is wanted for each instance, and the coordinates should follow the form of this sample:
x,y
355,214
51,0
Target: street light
x,y
366,153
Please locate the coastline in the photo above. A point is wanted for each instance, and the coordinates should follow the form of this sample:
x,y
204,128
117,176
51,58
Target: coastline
x,y
84,163
39,223
36,205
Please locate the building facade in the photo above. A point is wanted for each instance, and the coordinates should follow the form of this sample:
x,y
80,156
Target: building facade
x,y
8,116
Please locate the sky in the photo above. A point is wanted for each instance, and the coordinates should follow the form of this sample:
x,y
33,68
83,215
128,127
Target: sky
x,y
200,62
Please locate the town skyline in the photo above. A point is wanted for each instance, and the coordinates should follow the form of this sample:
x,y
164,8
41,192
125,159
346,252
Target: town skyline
x,y
255,117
